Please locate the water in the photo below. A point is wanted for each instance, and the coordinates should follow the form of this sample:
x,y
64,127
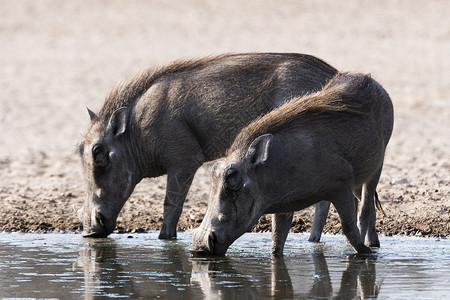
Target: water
x,y
141,266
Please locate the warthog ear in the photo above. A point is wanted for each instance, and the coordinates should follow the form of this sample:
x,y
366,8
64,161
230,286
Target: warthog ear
x,y
92,114
118,121
258,152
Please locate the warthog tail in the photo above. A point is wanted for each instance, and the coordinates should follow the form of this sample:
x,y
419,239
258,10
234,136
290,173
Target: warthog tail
x,y
378,204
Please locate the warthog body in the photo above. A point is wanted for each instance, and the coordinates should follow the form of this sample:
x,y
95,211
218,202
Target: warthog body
x,y
329,145
171,120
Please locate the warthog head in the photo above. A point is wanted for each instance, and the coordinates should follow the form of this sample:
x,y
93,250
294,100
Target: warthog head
x,y
234,203
109,173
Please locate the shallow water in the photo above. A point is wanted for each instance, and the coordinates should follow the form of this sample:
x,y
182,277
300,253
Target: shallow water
x,y
141,266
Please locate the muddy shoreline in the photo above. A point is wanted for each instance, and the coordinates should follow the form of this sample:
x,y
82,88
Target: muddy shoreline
x,y
36,210
59,57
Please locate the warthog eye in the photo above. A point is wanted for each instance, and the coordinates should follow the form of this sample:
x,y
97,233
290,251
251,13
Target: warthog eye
x,y
233,178
100,156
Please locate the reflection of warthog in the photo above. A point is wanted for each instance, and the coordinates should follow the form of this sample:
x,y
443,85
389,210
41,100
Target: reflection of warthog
x,y
171,120
358,279
94,259
110,269
208,274
325,146
358,273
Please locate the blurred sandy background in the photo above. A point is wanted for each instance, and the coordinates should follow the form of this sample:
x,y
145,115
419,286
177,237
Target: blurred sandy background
x,y
57,57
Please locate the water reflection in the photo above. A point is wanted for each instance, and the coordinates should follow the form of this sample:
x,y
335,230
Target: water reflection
x,y
171,270
219,279
65,266
322,286
102,270
281,285
360,274
108,271
358,280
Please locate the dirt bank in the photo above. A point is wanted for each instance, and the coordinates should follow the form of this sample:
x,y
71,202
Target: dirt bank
x,y
58,57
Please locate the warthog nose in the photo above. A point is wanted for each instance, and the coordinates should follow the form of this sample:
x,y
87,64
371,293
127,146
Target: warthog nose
x,y
96,227
100,218
204,245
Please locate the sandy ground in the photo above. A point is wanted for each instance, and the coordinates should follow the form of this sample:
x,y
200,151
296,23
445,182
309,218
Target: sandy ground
x,y
59,56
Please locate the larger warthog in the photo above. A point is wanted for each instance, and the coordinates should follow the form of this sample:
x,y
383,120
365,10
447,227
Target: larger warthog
x,y
328,145
172,119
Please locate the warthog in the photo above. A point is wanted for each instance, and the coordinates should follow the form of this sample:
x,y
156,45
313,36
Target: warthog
x,y
172,119
328,145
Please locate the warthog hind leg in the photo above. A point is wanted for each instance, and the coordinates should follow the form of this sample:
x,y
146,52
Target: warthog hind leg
x,y
367,214
320,218
345,207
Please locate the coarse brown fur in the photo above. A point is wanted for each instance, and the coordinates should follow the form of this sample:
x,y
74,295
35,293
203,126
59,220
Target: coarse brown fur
x,y
337,95
127,93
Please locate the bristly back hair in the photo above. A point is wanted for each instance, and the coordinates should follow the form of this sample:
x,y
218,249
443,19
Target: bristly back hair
x,y
125,94
345,92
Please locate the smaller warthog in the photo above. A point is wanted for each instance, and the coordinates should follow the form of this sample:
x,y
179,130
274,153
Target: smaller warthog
x,y
328,145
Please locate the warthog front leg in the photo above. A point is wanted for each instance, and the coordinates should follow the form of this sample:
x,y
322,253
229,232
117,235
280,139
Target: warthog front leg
x,y
178,184
320,218
281,223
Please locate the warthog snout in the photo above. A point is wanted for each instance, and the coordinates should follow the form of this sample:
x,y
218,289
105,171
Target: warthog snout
x,y
95,225
205,243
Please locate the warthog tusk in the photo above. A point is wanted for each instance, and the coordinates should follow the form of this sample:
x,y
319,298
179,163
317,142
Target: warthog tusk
x,y
212,240
100,218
